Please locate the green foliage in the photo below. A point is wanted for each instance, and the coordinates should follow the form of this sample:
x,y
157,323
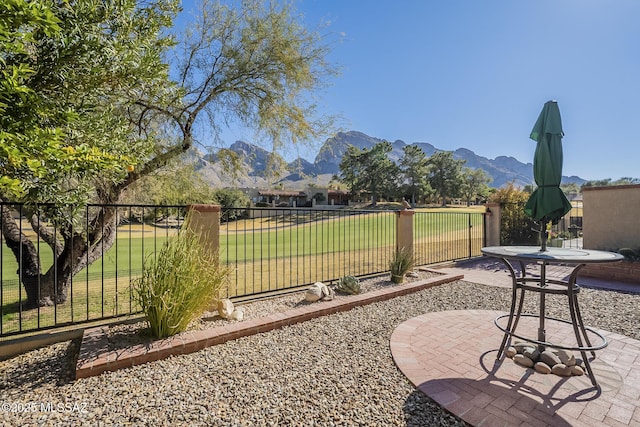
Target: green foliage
x,y
401,262
516,227
370,171
609,182
349,285
414,166
175,184
178,284
319,197
228,199
87,106
630,254
474,184
445,175
70,130
255,63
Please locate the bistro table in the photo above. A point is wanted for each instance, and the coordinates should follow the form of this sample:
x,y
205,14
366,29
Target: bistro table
x,y
542,285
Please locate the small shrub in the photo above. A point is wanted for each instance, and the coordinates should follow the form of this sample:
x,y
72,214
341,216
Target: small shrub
x,y
349,285
179,284
630,254
400,264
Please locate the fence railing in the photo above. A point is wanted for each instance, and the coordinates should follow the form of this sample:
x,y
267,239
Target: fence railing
x,y
276,249
447,236
287,248
97,290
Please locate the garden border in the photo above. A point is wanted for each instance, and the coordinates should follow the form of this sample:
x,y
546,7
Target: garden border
x,y
95,357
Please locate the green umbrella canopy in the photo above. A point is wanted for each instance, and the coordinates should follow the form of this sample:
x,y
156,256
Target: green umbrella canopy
x,y
548,202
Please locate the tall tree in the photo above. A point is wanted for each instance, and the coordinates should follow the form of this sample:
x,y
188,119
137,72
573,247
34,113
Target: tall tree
x,y
117,115
445,175
474,184
414,165
369,170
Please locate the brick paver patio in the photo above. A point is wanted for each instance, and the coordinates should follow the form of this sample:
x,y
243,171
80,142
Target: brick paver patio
x,y
451,357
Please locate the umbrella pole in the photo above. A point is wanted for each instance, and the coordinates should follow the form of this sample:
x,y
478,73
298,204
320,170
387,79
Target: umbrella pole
x,y
542,335
543,235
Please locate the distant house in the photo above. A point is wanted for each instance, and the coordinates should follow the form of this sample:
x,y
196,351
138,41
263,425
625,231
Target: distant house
x,y
280,197
338,197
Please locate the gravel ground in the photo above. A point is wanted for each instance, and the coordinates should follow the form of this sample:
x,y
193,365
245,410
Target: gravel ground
x,y
334,370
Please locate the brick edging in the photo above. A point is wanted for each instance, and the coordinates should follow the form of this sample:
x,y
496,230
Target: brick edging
x,y
623,271
95,358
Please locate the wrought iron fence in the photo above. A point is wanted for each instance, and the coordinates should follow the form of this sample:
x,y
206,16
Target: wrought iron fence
x,y
97,289
268,250
447,236
273,249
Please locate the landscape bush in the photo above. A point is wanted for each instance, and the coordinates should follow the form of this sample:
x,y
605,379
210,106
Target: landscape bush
x,y
630,254
179,283
349,285
516,227
400,264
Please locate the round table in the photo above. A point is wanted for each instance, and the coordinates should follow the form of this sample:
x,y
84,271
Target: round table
x,y
575,257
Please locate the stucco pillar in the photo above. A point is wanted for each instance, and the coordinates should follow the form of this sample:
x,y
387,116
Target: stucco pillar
x,y
404,229
492,220
205,221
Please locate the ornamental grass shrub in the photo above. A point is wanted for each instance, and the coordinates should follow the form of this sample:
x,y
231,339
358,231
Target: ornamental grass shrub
x,y
179,284
400,264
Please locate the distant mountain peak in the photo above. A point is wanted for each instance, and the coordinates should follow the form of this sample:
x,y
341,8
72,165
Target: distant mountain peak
x,y
503,169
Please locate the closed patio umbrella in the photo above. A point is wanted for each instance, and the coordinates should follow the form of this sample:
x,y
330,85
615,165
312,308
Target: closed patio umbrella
x,y
548,202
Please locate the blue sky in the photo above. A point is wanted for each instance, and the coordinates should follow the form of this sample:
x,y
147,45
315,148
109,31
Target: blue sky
x,y
475,74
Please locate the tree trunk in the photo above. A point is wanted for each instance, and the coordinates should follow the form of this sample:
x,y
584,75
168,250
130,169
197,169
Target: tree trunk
x,y
25,253
76,253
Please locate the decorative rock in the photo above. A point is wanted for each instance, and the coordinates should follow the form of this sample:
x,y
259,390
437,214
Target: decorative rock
x,y
523,360
521,346
413,274
577,370
225,308
561,370
238,314
531,353
327,293
510,352
549,358
542,368
315,292
566,356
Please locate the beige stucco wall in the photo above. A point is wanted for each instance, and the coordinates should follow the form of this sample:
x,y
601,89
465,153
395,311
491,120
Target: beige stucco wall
x,y
492,221
611,217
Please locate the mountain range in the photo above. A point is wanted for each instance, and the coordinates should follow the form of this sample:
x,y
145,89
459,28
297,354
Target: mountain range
x,y
300,173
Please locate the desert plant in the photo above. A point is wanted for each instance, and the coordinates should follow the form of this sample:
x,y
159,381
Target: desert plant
x,y
179,283
630,254
400,264
349,285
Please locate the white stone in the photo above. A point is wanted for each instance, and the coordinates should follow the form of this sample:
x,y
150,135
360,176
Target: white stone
x,y
577,370
561,370
327,293
542,368
510,352
238,314
315,292
523,360
225,308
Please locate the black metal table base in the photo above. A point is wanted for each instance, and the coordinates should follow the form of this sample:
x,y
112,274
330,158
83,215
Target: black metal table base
x,y
543,287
